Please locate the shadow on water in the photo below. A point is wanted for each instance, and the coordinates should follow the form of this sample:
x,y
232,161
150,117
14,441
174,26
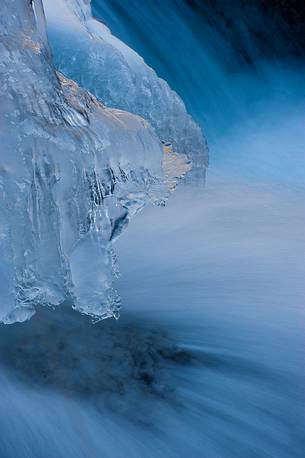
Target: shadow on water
x,y
110,363
64,351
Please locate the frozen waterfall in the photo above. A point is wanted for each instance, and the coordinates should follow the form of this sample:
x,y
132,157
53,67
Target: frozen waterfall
x,y
72,174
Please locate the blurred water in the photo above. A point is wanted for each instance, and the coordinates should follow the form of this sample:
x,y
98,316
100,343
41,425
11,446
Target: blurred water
x,y
207,359
239,71
225,270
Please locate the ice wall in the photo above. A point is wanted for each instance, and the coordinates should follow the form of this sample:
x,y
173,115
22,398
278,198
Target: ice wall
x,y
86,51
72,173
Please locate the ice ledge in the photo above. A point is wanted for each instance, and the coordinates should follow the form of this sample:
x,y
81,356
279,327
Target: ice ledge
x,y
72,174
86,51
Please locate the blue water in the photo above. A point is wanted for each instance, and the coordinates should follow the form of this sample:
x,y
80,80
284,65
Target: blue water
x,y
250,107
207,359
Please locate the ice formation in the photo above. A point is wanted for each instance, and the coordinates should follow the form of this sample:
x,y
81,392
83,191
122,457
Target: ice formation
x,y
72,173
85,50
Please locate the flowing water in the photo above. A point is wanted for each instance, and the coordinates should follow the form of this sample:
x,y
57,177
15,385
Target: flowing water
x,y
238,66
207,359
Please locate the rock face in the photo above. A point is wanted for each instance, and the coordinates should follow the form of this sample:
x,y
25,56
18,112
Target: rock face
x,y
72,173
86,51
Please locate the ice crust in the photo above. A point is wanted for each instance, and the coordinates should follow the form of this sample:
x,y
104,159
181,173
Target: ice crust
x,y
85,50
72,173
